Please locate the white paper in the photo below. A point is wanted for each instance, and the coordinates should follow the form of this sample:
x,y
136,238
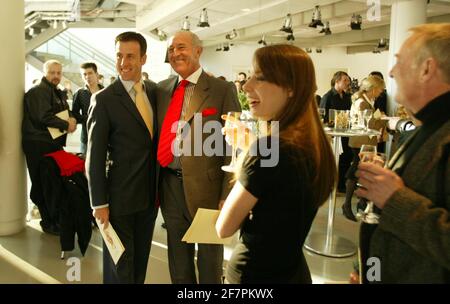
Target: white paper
x,y
203,229
112,241
55,132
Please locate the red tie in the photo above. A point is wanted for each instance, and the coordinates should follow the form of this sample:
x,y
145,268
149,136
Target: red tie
x,y
165,155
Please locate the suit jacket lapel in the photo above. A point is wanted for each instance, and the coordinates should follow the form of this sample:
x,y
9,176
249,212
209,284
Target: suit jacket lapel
x,y
421,164
152,98
396,160
164,98
126,100
199,97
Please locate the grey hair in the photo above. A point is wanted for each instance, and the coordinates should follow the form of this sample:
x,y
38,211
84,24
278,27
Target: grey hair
x,y
50,62
194,38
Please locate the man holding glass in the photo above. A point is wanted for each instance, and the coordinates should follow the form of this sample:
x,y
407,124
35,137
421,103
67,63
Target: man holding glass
x,y
189,182
412,239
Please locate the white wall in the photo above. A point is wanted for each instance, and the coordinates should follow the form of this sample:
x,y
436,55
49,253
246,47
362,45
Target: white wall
x,y
239,58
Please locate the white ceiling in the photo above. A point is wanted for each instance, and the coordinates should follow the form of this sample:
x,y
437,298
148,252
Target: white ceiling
x,y
250,18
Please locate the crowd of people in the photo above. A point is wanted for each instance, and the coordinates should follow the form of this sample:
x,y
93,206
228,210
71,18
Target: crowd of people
x,y
131,128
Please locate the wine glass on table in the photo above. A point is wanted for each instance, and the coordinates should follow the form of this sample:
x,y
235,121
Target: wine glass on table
x,y
231,136
367,115
368,153
321,114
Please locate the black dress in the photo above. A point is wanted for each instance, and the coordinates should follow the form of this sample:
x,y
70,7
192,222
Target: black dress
x,y
272,236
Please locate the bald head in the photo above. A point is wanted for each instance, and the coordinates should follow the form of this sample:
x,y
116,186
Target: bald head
x,y
184,52
53,71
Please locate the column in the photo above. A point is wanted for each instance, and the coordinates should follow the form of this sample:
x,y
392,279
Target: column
x,y
404,15
13,194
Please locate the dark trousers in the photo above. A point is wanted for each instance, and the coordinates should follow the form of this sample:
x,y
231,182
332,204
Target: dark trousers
x,y
365,235
345,160
34,153
181,254
136,232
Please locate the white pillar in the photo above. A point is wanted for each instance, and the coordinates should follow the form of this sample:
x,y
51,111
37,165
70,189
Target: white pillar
x,y
404,15
13,194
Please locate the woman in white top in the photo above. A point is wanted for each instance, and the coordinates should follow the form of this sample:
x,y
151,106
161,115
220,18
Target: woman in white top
x,y
371,87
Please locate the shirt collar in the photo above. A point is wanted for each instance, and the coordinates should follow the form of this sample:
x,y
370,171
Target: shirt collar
x,y
193,78
128,84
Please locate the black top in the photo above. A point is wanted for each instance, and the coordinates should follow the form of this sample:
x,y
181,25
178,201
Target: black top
x,y
432,117
381,102
270,248
41,104
80,107
332,100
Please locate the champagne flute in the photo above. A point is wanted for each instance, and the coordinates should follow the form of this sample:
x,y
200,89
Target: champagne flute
x,y
368,216
231,136
321,114
367,116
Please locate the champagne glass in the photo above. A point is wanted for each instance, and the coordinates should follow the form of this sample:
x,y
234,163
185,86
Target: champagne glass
x,y
367,116
231,136
368,216
321,114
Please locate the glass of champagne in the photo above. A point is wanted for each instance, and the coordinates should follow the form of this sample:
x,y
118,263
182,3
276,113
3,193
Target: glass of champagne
x,y
367,114
369,154
321,114
231,136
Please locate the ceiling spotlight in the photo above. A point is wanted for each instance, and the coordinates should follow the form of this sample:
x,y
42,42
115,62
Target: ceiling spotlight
x,y
231,35
308,50
226,47
316,18
287,26
219,48
319,50
382,43
356,22
263,40
203,22
161,35
186,24
326,29
64,24
55,24
31,31
376,50
290,37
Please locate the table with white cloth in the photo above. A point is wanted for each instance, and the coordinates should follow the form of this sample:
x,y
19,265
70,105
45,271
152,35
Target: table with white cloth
x,y
330,244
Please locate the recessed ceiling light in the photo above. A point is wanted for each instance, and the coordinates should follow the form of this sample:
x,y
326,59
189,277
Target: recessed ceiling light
x,y
246,10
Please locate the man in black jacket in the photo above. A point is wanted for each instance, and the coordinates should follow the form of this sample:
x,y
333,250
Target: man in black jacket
x,y
41,104
82,98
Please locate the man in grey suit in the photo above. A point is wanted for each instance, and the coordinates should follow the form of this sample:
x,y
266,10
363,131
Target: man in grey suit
x,y
121,123
412,240
191,182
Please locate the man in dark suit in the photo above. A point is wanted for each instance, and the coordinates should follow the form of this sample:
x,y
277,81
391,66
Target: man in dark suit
x,y
41,104
189,182
412,240
121,123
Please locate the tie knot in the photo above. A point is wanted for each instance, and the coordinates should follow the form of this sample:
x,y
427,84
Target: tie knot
x,y
184,83
138,87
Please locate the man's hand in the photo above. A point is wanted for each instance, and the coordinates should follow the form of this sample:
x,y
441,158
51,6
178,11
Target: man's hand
x,y
72,125
378,184
103,215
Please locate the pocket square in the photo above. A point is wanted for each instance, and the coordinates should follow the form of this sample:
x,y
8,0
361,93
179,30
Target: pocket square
x,y
209,111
